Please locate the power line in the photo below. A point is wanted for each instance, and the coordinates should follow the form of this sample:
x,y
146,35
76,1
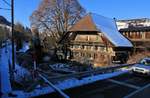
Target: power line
x,y
6,2
4,8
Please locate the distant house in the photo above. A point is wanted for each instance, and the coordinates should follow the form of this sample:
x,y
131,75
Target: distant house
x,y
140,37
4,23
137,31
95,40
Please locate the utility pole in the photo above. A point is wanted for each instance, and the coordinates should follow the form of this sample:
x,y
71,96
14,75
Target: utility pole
x,y
13,48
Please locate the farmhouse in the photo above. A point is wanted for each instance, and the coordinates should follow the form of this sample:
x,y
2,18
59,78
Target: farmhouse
x,y
95,40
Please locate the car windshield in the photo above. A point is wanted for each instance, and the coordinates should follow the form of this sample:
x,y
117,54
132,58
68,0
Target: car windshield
x,y
145,62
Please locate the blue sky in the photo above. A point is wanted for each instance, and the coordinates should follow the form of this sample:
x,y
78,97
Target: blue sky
x,y
23,10
120,9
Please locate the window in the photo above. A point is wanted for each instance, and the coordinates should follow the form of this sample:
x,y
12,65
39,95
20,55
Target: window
x,y
82,47
95,55
76,53
87,38
88,47
130,36
71,46
147,35
127,34
97,38
96,47
85,47
76,46
89,55
92,47
101,48
134,35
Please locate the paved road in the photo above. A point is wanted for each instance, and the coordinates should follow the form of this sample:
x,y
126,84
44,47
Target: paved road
x,y
117,87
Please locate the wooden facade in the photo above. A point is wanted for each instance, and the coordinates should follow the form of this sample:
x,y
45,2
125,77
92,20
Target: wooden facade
x,y
91,48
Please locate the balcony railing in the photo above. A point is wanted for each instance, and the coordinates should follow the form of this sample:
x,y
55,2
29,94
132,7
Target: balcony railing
x,y
133,39
86,43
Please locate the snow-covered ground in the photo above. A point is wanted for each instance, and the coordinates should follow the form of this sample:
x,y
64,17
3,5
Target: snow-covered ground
x,y
4,71
5,58
69,83
66,84
21,73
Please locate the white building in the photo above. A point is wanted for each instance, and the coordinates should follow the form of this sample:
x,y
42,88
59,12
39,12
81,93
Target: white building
x,y
5,26
143,22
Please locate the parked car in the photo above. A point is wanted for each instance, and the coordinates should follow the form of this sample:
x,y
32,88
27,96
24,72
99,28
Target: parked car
x,y
143,67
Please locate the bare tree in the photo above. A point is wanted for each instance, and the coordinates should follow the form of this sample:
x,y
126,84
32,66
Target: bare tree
x,y
55,17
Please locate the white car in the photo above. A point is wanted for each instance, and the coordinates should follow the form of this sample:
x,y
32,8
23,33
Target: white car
x,y
143,67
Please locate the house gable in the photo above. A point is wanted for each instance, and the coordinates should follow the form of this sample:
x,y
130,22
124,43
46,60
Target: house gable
x,y
107,26
85,24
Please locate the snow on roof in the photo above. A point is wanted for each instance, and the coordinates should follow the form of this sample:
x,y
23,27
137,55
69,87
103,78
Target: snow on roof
x,y
108,27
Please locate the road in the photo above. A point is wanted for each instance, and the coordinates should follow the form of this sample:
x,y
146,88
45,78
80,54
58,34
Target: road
x,y
117,87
